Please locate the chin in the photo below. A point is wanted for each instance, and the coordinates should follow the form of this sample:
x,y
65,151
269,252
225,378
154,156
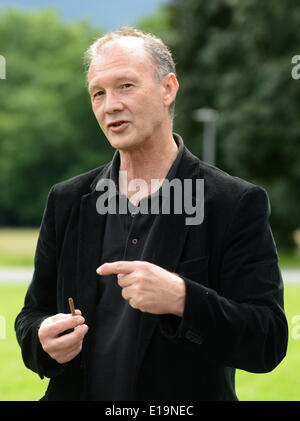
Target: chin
x,y
123,142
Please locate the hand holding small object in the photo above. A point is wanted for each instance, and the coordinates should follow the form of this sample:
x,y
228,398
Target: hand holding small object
x,y
62,346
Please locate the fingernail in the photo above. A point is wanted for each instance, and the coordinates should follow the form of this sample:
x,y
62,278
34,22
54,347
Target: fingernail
x,y
99,270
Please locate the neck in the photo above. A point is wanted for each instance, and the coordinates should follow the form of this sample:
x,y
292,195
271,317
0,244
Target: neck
x,y
150,161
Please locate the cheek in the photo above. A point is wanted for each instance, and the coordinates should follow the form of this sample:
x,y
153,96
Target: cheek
x,y
150,106
97,112
154,111
95,108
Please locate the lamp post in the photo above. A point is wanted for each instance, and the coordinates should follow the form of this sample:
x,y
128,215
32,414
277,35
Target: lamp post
x,y
2,67
209,117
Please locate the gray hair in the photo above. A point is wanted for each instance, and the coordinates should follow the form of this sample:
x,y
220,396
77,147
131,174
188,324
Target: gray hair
x,y
159,53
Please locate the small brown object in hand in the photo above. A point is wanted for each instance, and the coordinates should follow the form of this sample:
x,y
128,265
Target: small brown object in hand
x,y
71,305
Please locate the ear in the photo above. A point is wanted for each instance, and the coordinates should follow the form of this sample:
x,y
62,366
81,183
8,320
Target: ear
x,y
170,86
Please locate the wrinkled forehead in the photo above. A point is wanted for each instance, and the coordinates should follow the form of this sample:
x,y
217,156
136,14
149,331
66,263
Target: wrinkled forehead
x,y
128,48
127,52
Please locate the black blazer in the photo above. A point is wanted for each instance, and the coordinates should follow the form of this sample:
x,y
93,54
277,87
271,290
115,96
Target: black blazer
x,y
233,316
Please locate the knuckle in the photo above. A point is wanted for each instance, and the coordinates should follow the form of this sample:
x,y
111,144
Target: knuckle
x,y
81,331
136,276
144,265
56,356
117,267
80,335
60,360
138,287
132,303
140,265
46,347
55,318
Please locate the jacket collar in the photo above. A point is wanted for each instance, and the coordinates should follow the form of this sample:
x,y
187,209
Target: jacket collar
x,y
184,163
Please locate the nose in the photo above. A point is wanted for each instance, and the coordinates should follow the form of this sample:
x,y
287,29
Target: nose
x,y
112,103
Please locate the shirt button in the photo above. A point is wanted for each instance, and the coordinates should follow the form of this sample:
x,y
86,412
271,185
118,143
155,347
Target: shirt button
x,y
134,241
194,337
189,335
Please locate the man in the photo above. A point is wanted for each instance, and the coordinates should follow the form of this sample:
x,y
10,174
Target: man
x,y
166,309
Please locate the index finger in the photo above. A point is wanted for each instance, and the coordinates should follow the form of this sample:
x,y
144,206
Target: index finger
x,y
116,268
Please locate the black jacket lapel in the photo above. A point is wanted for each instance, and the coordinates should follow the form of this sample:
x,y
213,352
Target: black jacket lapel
x,y
90,236
91,227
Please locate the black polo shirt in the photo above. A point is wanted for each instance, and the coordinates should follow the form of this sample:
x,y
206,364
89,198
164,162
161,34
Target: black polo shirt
x,y
115,333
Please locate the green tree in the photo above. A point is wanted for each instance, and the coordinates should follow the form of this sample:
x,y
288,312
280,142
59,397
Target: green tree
x,y
235,56
47,129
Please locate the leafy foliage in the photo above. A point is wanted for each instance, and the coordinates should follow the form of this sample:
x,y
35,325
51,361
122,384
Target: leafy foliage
x,y
235,56
47,130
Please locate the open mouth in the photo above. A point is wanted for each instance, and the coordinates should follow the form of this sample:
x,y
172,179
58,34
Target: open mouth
x,y
118,125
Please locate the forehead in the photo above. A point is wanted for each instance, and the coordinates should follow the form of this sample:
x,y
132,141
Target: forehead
x,y
125,54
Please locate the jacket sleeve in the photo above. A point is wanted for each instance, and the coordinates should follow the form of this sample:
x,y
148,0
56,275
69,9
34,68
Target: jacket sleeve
x,y
243,325
40,299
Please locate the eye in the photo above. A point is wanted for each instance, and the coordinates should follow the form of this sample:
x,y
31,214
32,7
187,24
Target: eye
x,y
98,93
126,85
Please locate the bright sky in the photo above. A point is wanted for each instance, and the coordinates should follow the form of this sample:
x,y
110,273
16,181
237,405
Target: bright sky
x,y
106,14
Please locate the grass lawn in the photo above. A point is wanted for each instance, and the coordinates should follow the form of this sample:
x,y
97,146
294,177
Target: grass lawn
x,y
18,383
283,383
17,247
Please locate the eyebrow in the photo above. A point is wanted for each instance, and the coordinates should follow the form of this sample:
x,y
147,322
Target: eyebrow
x,y
92,87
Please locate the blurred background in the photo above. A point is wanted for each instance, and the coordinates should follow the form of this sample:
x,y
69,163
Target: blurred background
x,y
238,107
